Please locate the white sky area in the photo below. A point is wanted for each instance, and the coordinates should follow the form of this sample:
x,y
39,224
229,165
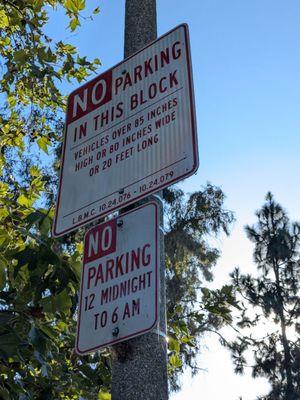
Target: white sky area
x,y
246,64
218,380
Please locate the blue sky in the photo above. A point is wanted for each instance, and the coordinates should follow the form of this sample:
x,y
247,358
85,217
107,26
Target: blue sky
x,y
246,63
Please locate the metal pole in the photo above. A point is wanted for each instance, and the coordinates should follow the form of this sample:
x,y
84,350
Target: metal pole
x,y
139,365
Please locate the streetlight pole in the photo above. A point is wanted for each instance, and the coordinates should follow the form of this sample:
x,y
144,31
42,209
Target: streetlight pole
x,y
139,365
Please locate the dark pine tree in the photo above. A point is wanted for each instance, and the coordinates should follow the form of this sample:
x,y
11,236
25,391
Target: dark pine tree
x,y
271,298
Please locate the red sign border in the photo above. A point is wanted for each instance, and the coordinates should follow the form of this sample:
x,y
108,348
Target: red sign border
x,y
114,341
161,186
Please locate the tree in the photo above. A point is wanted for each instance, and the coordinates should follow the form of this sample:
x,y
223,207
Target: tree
x,y
271,298
192,309
39,275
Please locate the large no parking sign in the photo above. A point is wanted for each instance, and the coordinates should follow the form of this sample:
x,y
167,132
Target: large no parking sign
x,y
130,132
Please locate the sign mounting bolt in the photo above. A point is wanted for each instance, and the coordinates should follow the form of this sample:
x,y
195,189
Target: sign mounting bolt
x,y
115,332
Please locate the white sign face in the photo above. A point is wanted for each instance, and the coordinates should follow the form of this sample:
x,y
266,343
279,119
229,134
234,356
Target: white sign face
x,y
119,282
129,132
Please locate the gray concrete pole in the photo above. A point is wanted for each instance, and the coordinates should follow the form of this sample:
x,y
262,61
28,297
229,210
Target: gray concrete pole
x,y
140,25
139,365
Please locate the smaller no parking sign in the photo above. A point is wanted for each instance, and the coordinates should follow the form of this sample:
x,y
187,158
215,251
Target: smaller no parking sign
x,y
119,282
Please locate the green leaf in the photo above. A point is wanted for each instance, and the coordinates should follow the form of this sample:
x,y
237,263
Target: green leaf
x,y
3,189
74,23
4,21
5,317
4,236
104,396
174,345
48,256
47,304
80,4
45,226
43,144
62,301
3,212
4,394
2,273
9,344
59,303
175,361
75,5
38,340
20,56
96,10
27,256
34,171
34,217
76,267
25,201
44,371
69,5
49,331
12,101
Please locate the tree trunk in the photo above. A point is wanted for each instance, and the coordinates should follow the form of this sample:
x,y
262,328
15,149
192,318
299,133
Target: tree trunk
x,y
284,340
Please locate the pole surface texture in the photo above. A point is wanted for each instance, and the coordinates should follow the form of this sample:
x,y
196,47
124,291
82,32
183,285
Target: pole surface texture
x,y
140,25
139,365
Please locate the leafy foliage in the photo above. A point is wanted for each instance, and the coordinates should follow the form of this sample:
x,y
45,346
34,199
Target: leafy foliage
x,y
39,275
271,298
189,260
32,66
